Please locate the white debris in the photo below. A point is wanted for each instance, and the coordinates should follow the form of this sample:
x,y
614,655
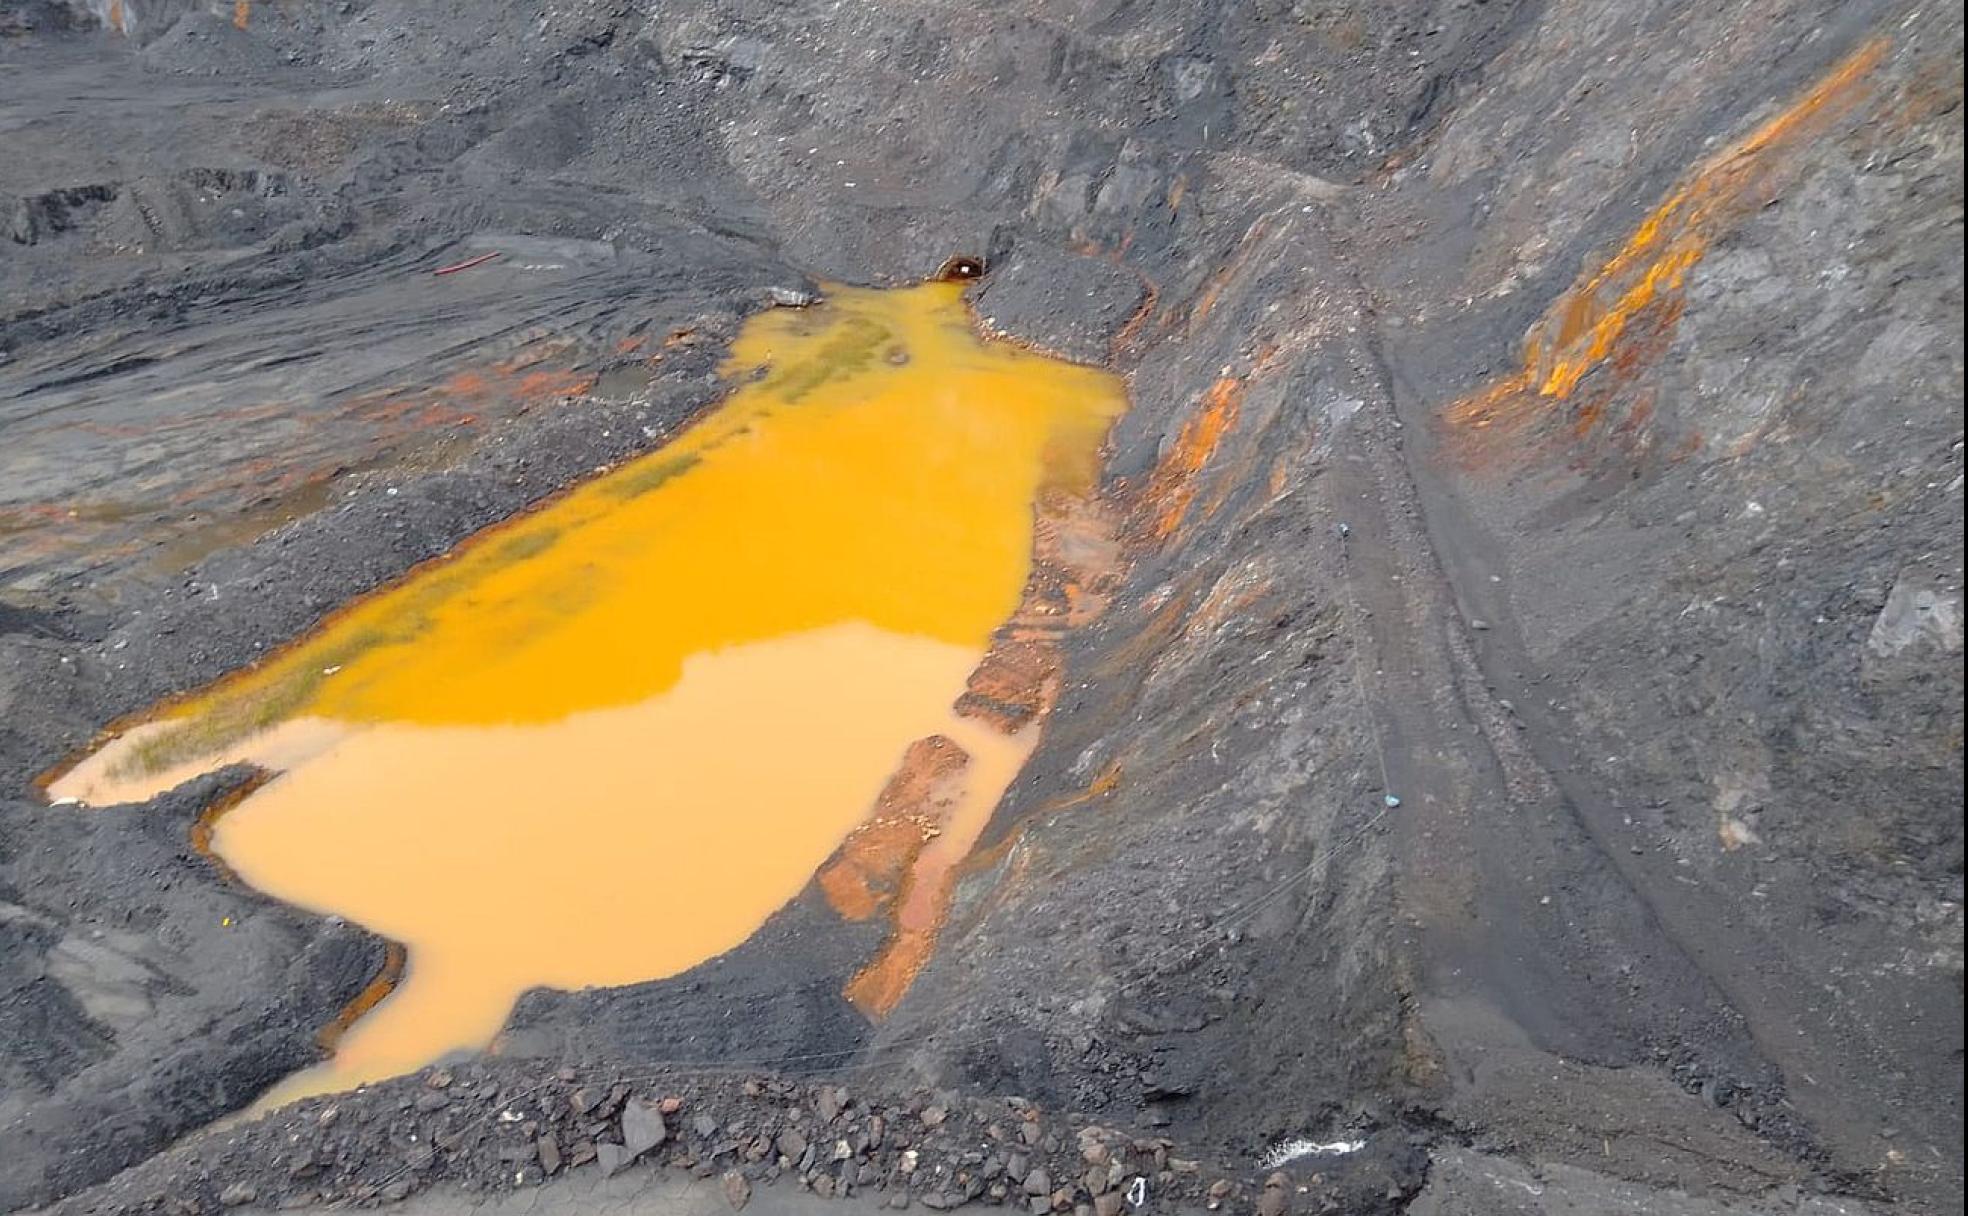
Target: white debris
x,y
791,297
1292,1150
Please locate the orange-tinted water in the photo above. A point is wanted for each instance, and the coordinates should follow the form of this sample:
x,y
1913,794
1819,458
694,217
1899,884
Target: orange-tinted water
x,y
603,742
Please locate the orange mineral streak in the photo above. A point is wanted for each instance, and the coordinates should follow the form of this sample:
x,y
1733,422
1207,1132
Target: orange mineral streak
x,y
1581,330
1172,486
1588,325
604,742
1506,403
937,807
395,958
203,828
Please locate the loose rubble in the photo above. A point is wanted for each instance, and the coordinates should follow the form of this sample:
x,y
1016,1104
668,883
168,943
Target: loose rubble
x,y
502,1126
499,1126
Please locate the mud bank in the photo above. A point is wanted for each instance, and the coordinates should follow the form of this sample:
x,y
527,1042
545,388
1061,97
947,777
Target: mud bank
x,y
1660,656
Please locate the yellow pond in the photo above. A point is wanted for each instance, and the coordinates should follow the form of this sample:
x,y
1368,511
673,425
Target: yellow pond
x,y
605,741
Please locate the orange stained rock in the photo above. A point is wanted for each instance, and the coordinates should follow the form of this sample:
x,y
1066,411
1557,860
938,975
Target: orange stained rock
x,y
1172,486
554,383
866,873
1585,327
1014,684
864,877
906,860
1503,402
603,742
1622,313
929,876
242,12
1106,781
1078,561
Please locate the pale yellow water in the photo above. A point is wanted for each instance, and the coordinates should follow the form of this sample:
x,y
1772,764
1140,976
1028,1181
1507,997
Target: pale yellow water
x,y
602,743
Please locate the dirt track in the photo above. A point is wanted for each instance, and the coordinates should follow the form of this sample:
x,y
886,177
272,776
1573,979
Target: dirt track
x,y
1663,665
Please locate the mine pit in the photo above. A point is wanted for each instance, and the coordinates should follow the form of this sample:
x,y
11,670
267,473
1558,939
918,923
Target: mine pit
x,y
1142,609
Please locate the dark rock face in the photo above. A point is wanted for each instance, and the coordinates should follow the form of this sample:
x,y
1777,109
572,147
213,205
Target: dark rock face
x,y
1516,736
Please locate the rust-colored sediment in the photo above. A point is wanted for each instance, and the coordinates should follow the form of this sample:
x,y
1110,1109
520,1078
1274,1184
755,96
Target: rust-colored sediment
x,y
1172,486
1083,544
891,865
1620,316
1010,688
208,819
908,862
1076,566
1151,300
395,957
1178,188
880,986
866,873
1082,547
